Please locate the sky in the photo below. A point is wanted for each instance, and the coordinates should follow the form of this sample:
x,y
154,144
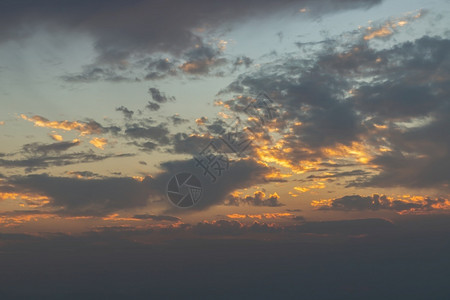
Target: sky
x,y
147,140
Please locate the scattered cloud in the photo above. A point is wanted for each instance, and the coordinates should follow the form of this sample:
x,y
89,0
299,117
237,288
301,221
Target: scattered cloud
x,y
99,143
85,128
403,205
258,199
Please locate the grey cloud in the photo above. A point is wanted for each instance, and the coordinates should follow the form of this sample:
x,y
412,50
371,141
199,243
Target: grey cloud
x,y
157,133
44,161
139,30
377,202
256,200
158,96
153,106
406,83
243,173
73,196
177,120
156,217
43,149
126,112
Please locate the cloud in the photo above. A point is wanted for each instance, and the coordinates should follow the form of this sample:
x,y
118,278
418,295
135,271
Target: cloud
x,y
76,196
85,128
256,200
157,133
357,105
43,149
243,173
403,205
44,161
153,106
128,114
177,120
158,96
389,27
99,143
56,137
261,216
139,31
156,217
93,73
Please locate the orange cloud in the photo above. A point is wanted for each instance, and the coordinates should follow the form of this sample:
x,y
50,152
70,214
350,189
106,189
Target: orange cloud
x,y
99,143
83,127
405,204
260,216
389,27
116,217
26,197
56,137
16,218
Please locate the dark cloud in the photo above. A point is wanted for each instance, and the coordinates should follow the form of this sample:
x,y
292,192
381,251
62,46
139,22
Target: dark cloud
x,y
126,112
153,106
43,149
156,217
242,61
74,196
139,30
44,161
86,174
157,133
242,173
158,96
377,202
256,200
401,107
146,146
201,60
340,174
177,120
93,73
388,263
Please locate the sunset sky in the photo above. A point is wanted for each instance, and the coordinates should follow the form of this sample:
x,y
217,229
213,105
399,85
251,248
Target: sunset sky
x,y
103,102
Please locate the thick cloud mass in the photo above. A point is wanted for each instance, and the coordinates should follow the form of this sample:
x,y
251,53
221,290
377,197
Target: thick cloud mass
x,y
402,107
122,28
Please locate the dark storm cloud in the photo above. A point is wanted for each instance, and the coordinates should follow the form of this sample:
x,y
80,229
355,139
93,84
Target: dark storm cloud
x,y
377,202
122,29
